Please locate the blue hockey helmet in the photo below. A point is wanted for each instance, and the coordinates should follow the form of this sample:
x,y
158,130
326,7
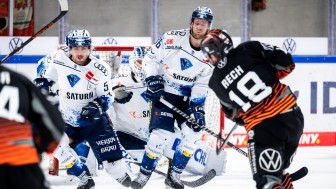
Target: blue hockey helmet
x,y
78,38
202,13
138,54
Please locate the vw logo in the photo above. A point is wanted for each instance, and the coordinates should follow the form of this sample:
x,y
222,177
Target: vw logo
x,y
270,160
110,41
289,45
15,43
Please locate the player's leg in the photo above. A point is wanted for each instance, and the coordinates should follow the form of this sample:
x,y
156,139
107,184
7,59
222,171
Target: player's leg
x,y
24,176
68,157
269,155
183,153
203,160
161,126
107,149
294,123
153,153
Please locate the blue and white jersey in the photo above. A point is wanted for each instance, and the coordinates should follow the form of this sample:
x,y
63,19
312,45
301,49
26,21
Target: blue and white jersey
x,y
78,85
132,117
183,68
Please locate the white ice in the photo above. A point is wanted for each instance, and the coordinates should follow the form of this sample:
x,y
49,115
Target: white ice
x,y
320,161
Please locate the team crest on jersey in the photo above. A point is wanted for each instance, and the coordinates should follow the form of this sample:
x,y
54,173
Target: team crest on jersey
x,y
185,63
73,79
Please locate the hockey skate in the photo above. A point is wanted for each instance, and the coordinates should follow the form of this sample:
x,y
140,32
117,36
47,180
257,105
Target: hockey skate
x,y
125,180
173,180
86,182
140,181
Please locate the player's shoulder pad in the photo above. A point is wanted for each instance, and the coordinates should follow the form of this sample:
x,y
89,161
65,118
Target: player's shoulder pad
x,y
172,39
100,66
176,33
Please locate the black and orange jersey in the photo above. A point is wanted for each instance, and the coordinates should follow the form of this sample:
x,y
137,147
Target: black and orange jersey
x,y
28,122
247,82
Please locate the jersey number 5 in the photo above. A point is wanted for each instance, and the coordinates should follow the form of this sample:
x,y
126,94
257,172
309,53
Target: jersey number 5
x,y
256,93
10,95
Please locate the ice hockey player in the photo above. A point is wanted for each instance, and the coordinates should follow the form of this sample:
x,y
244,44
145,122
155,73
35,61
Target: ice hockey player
x,y
175,69
84,97
82,148
246,79
29,125
131,122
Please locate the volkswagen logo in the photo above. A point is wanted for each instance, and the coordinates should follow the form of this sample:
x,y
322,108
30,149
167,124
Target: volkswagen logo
x,y
15,43
270,160
289,45
110,41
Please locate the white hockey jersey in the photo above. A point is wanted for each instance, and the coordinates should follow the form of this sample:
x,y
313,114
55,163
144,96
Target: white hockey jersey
x,y
183,68
132,117
78,85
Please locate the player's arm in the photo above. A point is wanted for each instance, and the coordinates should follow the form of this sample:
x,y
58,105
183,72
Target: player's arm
x,y
197,99
153,57
280,60
200,88
46,119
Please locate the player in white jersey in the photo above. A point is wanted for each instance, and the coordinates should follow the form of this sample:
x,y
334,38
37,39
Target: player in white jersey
x,y
84,97
131,122
175,69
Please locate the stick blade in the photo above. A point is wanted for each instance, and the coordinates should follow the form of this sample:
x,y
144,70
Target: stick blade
x,y
64,5
199,182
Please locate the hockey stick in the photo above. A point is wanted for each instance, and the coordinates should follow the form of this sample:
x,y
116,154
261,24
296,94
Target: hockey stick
x,y
64,10
219,148
192,184
225,141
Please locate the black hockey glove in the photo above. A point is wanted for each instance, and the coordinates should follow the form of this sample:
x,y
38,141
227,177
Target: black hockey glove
x,y
121,95
155,88
91,112
196,112
44,85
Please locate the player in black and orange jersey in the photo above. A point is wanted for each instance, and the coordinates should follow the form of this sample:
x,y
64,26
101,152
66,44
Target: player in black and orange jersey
x,y
246,79
21,106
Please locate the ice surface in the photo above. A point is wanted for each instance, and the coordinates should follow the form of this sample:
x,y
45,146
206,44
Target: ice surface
x,y
321,162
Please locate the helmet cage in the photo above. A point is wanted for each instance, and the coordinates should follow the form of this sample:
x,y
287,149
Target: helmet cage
x,y
137,54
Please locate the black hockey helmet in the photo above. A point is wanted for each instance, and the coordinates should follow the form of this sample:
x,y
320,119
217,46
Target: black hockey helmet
x,y
218,43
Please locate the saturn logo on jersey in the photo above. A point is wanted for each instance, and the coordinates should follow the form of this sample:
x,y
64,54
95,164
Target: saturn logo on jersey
x,y
185,63
73,79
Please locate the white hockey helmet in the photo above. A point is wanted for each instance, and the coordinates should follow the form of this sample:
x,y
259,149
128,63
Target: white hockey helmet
x,y
78,38
137,56
202,13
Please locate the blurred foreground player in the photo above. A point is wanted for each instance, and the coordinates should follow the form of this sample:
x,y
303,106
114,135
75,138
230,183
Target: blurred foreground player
x,y
29,125
246,79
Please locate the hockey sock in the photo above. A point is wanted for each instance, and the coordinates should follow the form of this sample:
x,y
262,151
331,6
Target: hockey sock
x,y
82,149
180,160
77,168
148,163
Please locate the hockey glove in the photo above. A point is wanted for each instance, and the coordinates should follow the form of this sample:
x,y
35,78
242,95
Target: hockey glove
x,y
121,95
155,88
197,113
91,112
44,85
